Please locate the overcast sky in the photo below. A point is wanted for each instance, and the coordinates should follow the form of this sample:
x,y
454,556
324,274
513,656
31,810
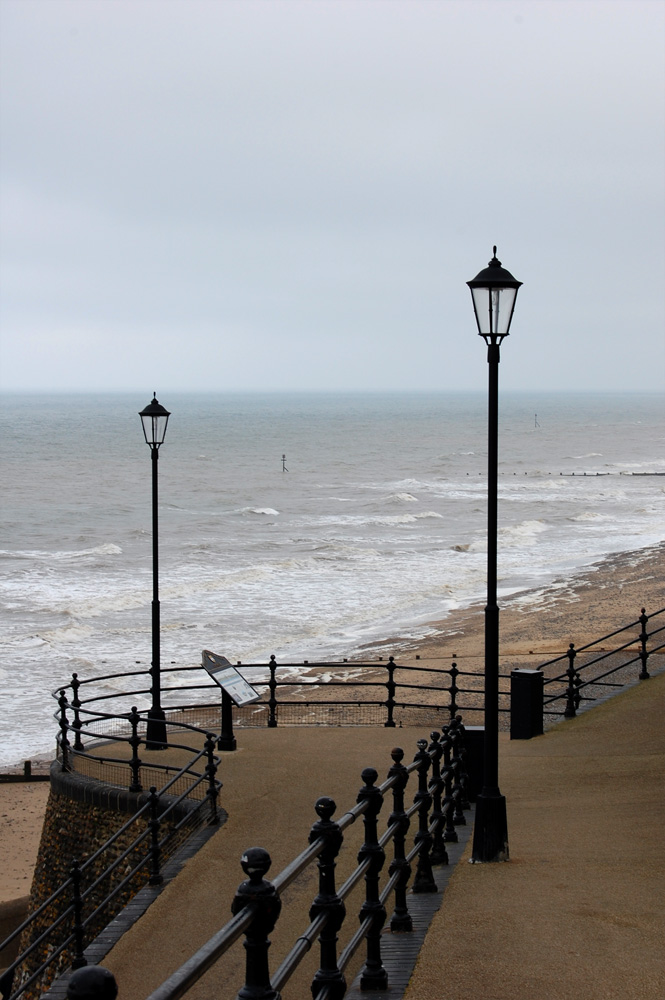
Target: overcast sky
x,y
211,194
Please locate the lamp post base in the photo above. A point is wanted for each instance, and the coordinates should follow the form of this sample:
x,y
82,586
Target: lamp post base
x,y
490,831
155,736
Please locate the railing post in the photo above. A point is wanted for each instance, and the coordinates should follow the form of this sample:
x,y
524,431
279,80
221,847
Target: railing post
x,y
453,690
327,901
227,740
64,726
644,653
462,753
135,742
424,879
156,877
390,703
76,704
79,959
572,692
439,854
458,773
450,835
272,700
261,895
211,771
401,918
374,976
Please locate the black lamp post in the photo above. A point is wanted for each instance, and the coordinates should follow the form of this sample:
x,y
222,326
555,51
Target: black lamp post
x,y
154,419
494,291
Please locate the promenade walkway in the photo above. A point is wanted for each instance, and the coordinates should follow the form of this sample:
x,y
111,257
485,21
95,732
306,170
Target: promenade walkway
x,y
577,912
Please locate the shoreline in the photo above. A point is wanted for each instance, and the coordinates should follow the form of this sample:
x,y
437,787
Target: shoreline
x,y
537,621
535,624
543,620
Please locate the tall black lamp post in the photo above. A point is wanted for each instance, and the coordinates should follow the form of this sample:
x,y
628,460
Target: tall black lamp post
x,y
154,419
494,291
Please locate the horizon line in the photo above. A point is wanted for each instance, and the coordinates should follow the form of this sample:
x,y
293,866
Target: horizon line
x,y
71,391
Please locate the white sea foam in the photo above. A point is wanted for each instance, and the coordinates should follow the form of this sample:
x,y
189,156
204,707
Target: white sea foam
x,y
522,533
591,515
39,555
407,518
67,635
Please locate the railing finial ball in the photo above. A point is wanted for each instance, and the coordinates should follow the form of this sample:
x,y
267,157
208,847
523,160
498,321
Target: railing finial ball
x,y
325,807
255,863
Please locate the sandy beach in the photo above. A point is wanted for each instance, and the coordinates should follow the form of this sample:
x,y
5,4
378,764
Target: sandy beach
x,y
22,806
534,626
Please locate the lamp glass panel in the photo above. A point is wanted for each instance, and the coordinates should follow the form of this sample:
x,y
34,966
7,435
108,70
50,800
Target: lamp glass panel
x,y
154,428
503,303
494,309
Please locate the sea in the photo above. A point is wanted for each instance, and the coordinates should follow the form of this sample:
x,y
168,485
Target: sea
x,y
309,526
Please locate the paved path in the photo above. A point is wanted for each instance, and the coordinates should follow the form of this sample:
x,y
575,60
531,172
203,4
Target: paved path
x,y
576,913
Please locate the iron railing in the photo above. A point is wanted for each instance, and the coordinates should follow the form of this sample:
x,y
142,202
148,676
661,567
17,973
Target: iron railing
x,y
439,803
315,693
304,693
593,666
349,693
56,933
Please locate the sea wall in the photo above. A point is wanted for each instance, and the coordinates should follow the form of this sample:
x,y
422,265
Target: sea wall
x,y
81,815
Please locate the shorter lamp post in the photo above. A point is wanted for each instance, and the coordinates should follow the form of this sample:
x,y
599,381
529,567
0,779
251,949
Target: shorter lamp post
x,y
494,291
154,419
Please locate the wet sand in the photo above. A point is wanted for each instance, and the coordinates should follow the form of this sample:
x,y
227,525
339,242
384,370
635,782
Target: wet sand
x,y
541,622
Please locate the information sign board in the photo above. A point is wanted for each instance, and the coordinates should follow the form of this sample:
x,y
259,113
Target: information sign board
x,y
229,679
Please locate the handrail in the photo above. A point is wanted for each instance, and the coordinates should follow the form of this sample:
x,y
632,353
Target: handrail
x,y
274,685
573,677
258,901
610,635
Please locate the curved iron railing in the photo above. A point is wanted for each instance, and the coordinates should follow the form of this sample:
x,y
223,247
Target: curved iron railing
x,y
379,692
98,887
